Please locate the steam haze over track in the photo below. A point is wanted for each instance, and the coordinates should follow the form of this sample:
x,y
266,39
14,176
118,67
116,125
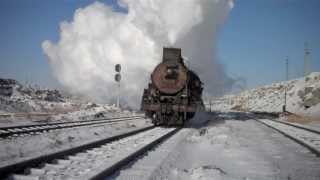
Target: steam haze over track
x,y
98,38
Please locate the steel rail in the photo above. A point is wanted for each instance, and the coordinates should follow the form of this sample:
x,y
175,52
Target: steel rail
x,y
20,167
57,123
309,138
104,172
103,160
317,131
27,129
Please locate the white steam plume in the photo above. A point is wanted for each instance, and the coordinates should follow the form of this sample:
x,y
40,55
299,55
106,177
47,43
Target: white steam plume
x,y
98,38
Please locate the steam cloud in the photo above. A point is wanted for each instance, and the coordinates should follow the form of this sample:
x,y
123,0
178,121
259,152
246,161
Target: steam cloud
x,y
99,37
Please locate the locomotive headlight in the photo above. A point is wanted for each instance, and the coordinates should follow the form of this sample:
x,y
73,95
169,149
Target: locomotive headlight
x,y
171,73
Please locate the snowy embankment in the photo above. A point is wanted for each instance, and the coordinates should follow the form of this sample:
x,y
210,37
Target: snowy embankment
x,y
18,98
24,104
303,98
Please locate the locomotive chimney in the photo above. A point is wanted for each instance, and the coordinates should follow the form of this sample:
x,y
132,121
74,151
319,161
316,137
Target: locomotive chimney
x,y
172,54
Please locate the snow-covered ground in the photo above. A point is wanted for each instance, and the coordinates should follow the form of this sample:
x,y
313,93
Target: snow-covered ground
x,y
20,148
303,98
228,145
97,112
220,146
21,105
235,147
25,104
17,98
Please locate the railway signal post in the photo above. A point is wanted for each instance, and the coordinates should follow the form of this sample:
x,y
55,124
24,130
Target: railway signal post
x,y
117,78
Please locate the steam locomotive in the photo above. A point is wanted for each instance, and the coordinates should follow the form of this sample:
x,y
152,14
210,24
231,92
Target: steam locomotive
x,y
175,92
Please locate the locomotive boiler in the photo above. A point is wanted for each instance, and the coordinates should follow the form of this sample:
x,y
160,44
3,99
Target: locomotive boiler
x,y
175,92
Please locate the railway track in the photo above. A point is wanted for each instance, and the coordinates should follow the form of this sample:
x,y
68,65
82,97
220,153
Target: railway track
x,y
6,132
92,161
306,136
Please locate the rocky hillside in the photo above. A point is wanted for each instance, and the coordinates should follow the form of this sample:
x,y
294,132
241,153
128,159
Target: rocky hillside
x,y
15,97
21,104
303,97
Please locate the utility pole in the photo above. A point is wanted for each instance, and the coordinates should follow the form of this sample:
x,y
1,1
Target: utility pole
x,y
287,68
307,69
306,59
284,108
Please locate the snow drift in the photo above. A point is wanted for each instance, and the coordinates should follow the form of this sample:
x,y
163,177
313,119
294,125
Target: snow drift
x,y
99,37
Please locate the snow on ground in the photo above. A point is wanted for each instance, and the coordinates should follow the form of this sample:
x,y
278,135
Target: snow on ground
x,y
226,145
15,97
303,98
21,105
96,112
87,113
25,104
144,166
220,146
234,147
20,148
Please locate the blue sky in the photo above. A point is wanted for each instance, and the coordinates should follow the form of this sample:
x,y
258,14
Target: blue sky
x,y
260,34
253,43
25,24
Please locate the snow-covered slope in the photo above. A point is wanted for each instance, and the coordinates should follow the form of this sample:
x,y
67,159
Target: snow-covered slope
x,y
303,97
21,104
15,97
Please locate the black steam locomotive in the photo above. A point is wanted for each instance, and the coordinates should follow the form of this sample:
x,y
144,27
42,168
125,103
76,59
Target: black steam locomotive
x,y
174,94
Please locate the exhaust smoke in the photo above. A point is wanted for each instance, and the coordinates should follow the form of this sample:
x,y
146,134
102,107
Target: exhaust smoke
x,y
99,37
